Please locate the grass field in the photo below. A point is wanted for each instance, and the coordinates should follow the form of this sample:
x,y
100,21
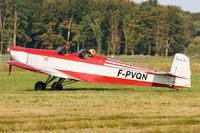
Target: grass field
x,y
86,107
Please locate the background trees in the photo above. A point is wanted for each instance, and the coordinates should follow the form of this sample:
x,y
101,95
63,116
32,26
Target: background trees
x,y
109,26
194,47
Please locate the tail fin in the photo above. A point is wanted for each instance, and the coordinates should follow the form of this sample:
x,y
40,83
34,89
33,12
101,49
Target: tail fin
x,y
181,69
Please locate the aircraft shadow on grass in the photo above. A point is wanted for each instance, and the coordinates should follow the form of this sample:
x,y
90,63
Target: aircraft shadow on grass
x,y
147,90
80,89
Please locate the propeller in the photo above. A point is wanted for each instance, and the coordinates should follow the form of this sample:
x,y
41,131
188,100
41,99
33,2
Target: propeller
x,y
10,69
10,66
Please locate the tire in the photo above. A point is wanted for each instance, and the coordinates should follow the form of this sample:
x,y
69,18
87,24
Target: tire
x,y
40,86
56,86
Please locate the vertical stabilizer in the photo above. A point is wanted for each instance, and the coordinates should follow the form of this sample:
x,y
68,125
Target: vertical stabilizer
x,y
181,69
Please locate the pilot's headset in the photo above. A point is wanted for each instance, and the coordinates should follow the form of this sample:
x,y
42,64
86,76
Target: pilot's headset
x,y
92,52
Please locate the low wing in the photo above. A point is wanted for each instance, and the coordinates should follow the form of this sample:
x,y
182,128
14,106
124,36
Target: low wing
x,y
47,71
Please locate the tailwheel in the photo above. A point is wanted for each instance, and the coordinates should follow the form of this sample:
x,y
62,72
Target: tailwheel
x,y
40,85
57,86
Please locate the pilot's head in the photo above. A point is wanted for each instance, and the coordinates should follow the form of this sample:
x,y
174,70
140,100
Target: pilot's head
x,y
92,52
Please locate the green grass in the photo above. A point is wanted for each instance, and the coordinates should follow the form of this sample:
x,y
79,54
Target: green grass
x,y
88,107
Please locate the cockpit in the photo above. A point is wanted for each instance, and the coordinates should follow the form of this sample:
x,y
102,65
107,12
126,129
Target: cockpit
x,y
83,53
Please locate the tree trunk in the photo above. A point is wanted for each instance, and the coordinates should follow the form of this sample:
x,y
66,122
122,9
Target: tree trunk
x,y
68,35
112,41
42,46
35,45
83,46
2,34
108,49
78,47
166,52
157,38
149,51
99,45
168,43
126,45
167,48
15,29
98,36
1,43
132,53
114,49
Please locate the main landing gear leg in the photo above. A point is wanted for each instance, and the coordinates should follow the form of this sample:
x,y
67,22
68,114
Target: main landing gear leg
x,y
58,85
42,85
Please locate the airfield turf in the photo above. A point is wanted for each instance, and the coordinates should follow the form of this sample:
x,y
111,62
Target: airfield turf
x,y
86,107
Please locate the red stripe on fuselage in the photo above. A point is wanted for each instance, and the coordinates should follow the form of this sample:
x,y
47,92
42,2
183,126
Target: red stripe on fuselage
x,y
112,80
119,66
105,79
122,64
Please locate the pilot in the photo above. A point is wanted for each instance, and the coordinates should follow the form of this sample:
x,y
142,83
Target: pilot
x,y
84,53
91,53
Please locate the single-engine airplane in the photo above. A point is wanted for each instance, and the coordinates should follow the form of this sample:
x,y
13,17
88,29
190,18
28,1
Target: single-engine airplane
x,y
88,67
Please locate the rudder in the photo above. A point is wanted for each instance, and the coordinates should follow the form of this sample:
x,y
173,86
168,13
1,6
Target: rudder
x,y
181,69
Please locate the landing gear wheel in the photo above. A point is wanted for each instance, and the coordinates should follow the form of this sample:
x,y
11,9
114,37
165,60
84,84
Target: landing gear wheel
x,y
40,86
56,86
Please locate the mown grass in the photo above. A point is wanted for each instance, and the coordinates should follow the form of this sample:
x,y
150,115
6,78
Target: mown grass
x,y
86,107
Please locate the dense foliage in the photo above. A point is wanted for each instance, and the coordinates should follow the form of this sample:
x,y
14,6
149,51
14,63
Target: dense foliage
x,y
109,26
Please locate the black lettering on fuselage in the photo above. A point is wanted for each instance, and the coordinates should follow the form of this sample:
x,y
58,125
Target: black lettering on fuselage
x,y
133,75
119,72
144,76
128,73
139,76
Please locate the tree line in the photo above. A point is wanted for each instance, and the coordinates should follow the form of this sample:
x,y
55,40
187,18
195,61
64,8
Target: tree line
x,y
108,26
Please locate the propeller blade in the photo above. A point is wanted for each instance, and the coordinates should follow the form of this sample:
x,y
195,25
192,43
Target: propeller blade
x,y
10,69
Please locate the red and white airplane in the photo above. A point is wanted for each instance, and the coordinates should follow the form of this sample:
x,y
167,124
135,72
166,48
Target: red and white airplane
x,y
98,69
